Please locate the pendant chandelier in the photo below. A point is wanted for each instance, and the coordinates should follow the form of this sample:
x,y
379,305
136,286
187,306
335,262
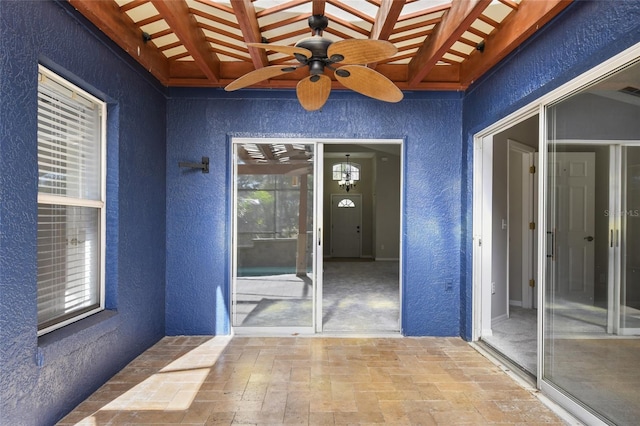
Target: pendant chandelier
x,y
347,182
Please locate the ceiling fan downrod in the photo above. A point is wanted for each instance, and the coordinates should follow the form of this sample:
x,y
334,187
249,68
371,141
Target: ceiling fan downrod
x,y
318,23
317,45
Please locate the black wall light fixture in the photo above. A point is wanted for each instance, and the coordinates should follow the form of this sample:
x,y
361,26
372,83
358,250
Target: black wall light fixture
x,y
204,166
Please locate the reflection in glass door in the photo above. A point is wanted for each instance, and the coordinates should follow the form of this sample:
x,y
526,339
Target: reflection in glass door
x,y
625,244
591,304
273,272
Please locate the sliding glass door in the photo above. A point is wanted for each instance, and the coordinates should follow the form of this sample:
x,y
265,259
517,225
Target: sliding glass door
x,y
273,273
591,317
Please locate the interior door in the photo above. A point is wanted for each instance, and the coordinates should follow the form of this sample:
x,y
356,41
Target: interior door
x,y
274,231
521,235
575,225
624,221
346,225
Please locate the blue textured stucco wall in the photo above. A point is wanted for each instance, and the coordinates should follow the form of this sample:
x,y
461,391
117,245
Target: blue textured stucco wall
x,y
583,36
42,379
200,123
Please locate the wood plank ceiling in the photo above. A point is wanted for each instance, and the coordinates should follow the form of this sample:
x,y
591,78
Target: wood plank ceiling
x,y
442,45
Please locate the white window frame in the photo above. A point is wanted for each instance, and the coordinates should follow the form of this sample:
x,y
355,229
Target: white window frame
x,y
99,204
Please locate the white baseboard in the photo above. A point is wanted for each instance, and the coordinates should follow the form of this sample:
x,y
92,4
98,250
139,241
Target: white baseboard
x,y
515,303
499,319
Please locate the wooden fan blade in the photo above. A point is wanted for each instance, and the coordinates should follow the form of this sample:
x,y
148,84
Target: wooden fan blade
x,y
369,83
256,76
361,51
289,50
313,94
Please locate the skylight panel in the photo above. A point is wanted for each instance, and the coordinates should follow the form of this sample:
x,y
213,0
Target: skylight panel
x,y
362,6
419,5
212,11
144,11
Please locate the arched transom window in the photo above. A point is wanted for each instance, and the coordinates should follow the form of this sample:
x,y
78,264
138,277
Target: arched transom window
x,y
346,203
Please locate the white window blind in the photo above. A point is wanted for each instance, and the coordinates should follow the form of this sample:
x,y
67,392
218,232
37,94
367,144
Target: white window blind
x,y
70,202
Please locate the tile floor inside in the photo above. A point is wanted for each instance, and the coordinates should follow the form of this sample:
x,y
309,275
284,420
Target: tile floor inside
x,y
311,380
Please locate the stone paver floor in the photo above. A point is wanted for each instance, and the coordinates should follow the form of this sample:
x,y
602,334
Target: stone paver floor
x,y
311,380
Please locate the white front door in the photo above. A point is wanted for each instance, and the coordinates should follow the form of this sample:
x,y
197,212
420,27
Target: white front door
x,y
574,174
346,225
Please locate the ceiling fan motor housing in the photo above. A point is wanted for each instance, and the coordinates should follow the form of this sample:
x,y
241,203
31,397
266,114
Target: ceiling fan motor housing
x,y
318,46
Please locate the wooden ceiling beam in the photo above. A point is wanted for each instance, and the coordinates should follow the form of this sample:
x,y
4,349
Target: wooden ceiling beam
x,y
233,47
454,23
121,29
468,42
246,15
487,20
458,53
386,19
412,36
216,5
229,54
220,31
424,72
132,5
289,35
514,30
149,20
266,151
510,3
346,24
318,7
285,22
338,34
184,25
423,25
187,74
213,18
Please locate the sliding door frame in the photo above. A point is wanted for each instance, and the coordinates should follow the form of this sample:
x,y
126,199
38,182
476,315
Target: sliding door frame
x,y
318,231
233,261
538,106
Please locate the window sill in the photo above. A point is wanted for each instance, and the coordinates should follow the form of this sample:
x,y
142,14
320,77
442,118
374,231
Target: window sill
x,y
68,339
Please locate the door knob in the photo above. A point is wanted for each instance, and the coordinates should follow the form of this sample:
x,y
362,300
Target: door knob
x,y
589,238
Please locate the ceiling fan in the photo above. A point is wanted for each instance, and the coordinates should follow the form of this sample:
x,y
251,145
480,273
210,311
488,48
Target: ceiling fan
x,y
346,58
